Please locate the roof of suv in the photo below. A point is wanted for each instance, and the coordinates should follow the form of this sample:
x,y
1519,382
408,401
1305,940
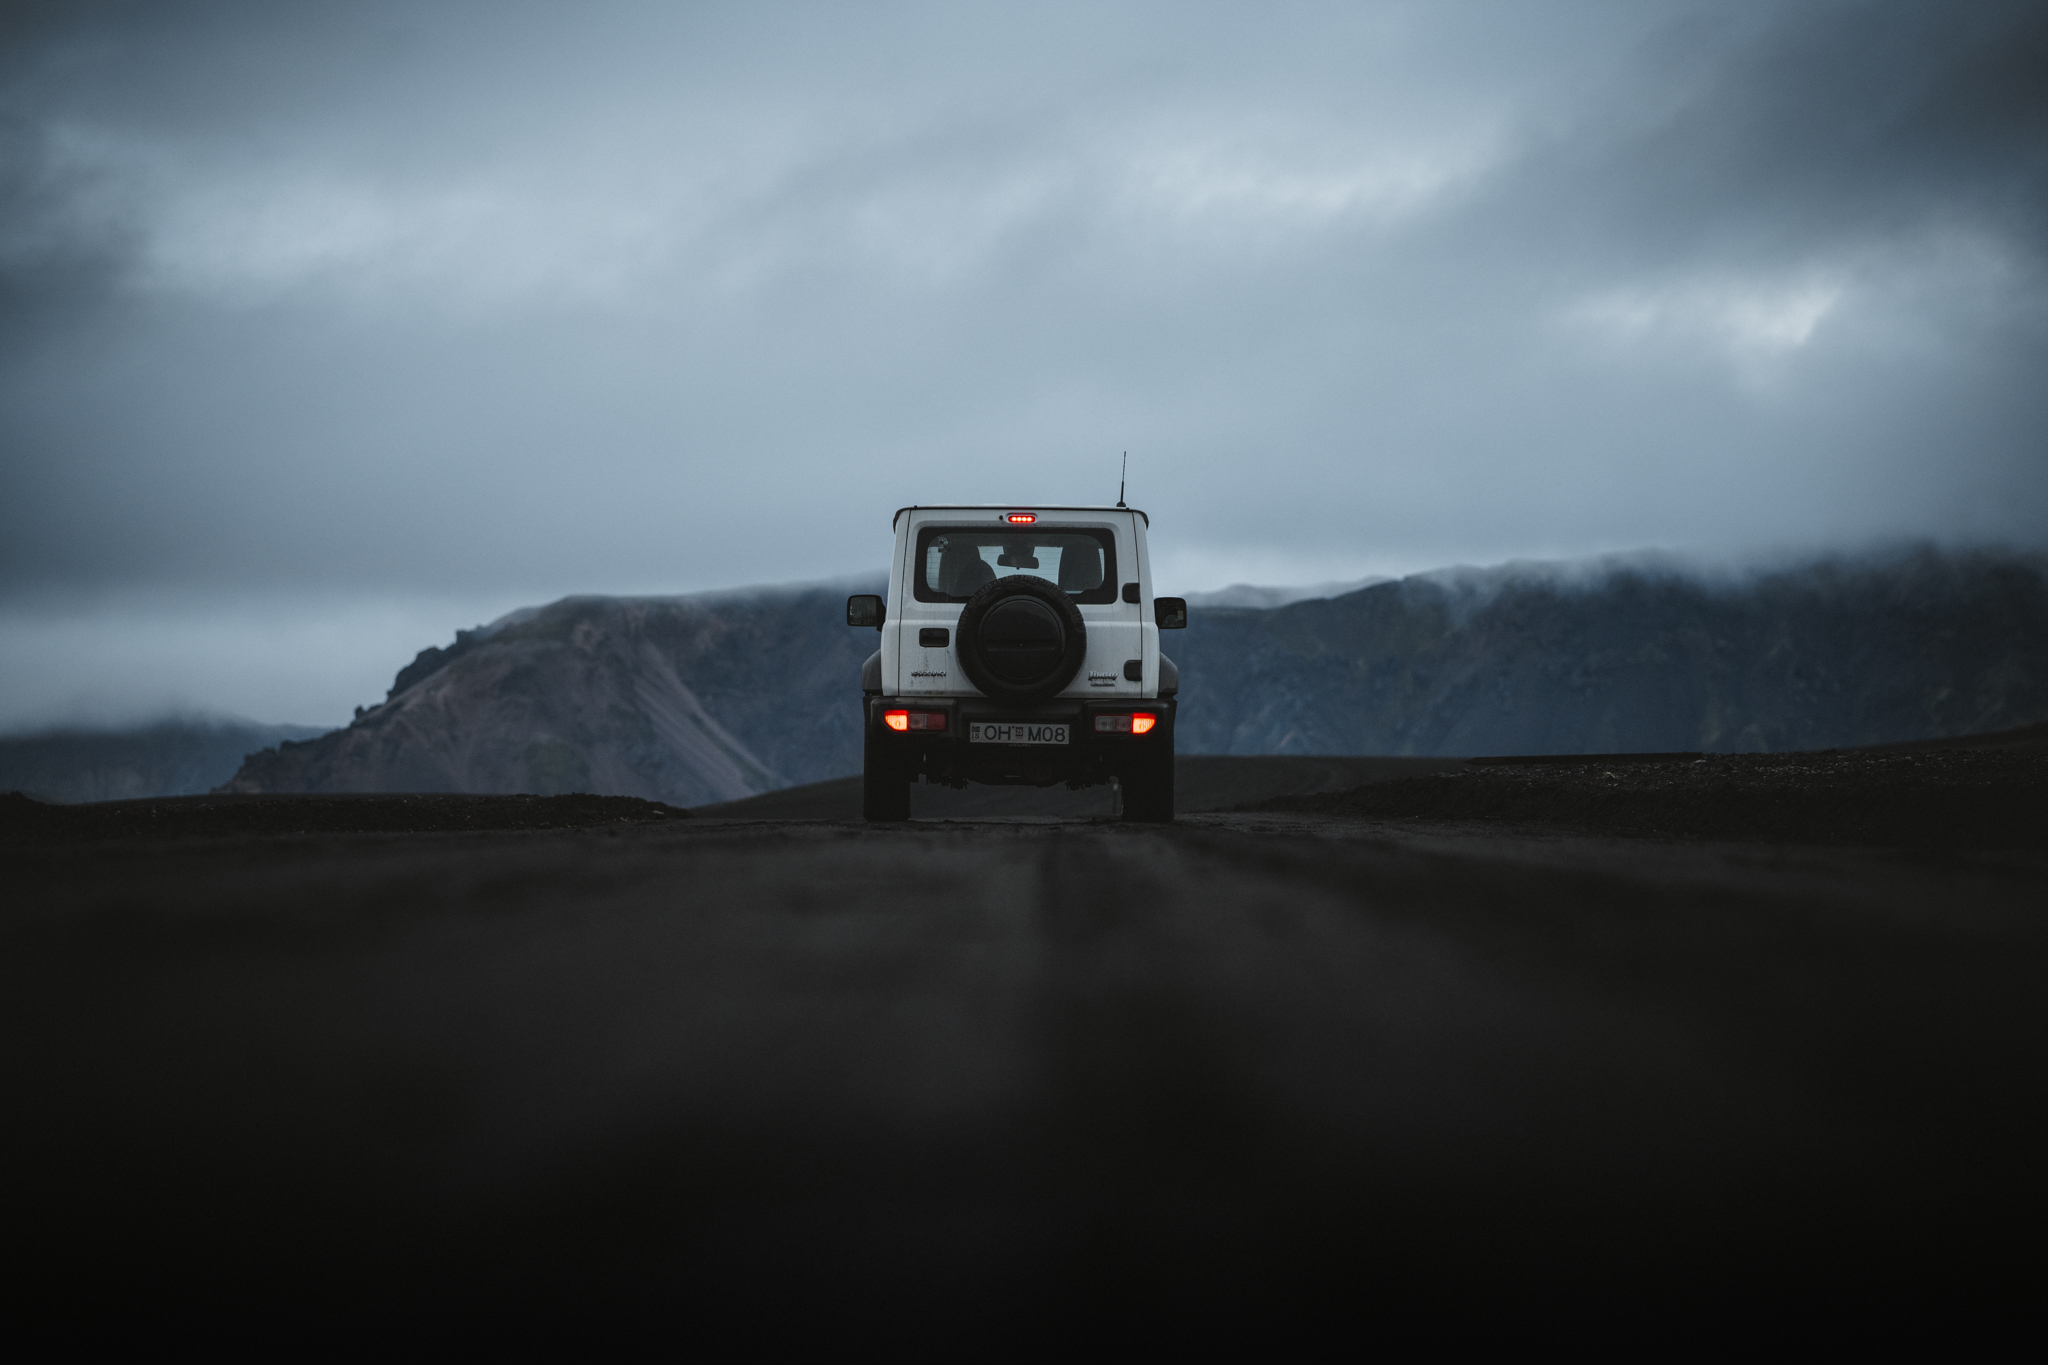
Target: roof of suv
x,y
1010,507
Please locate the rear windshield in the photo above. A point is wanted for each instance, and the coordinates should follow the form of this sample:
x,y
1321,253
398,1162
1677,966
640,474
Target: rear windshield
x,y
952,561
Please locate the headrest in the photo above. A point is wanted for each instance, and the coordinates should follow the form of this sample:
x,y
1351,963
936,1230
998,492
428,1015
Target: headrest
x,y
962,569
1080,567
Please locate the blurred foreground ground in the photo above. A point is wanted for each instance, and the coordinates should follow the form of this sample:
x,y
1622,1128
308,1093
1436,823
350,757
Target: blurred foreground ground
x,y
1007,1074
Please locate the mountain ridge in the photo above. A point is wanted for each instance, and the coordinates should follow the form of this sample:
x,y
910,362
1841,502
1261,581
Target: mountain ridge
x,y
720,696
591,693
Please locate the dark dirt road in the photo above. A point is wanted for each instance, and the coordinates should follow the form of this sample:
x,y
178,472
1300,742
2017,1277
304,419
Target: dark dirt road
x,y
1249,1067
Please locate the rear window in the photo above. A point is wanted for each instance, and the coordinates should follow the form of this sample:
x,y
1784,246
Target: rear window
x,y
952,561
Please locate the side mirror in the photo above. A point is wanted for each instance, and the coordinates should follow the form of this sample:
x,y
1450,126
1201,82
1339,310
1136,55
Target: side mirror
x,y
865,609
1170,612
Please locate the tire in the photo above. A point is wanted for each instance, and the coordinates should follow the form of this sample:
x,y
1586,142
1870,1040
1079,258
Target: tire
x,y
1148,788
1032,600
884,787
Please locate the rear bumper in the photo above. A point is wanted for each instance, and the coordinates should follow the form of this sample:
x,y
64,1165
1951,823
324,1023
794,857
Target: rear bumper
x,y
1086,759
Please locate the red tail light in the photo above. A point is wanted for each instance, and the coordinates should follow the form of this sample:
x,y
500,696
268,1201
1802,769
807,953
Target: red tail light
x,y
896,720
1141,722
914,720
1125,725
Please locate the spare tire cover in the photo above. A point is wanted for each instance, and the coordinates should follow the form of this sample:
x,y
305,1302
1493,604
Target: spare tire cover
x,y
1021,638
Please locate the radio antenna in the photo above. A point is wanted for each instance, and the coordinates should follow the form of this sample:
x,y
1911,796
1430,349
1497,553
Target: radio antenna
x,y
1120,478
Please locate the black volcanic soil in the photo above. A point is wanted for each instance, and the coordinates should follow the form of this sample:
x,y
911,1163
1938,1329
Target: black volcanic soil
x,y
1935,799
222,815
1004,1084
1202,782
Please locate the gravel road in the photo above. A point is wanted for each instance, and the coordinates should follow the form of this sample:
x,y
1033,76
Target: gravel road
x,y
1249,1066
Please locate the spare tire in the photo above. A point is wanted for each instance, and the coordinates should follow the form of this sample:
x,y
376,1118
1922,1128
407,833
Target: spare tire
x,y
1021,638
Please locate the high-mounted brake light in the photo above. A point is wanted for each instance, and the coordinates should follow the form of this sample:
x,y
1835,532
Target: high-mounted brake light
x,y
914,720
1021,518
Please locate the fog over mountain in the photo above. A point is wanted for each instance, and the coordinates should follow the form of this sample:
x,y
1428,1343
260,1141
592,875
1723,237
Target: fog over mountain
x,y
1629,656
319,320
174,757
1251,595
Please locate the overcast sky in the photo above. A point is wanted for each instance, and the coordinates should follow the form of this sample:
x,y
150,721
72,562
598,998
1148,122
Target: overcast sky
x,y
327,329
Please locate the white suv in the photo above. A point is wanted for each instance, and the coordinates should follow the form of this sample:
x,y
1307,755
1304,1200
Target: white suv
x,y
1020,646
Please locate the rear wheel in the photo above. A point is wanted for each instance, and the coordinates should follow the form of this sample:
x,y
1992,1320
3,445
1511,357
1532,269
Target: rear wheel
x,y
884,785
1148,787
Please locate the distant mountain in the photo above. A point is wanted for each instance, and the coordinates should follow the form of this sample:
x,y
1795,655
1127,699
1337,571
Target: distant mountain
x,y
1591,658
711,698
680,699
168,758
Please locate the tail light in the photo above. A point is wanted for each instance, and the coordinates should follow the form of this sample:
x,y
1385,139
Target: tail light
x,y
914,720
1138,724
1141,722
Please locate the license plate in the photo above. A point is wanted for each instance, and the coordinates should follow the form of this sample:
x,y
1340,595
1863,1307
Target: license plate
x,y
1013,732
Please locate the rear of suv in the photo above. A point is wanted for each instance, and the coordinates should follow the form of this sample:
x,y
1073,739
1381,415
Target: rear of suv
x,y
1020,646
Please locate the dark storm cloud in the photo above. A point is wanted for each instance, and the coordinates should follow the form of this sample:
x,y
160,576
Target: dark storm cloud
x,y
54,262
1858,120
499,298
